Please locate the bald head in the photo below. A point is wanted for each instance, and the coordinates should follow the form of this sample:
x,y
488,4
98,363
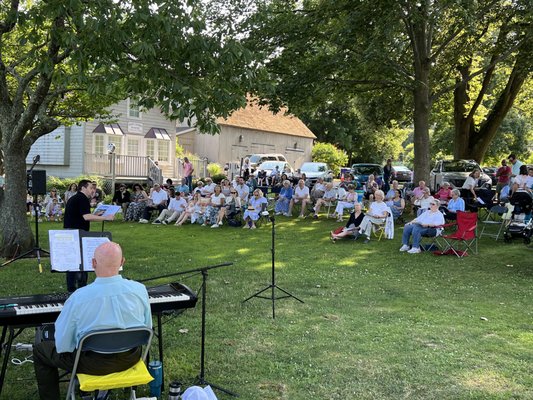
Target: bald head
x,y
107,260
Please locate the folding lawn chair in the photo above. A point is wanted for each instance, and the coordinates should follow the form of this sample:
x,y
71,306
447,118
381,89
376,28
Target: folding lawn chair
x,y
465,236
497,216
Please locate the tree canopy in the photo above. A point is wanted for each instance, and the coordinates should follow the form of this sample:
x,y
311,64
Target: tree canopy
x,y
62,62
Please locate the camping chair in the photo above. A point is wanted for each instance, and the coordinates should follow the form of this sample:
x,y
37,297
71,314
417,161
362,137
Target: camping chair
x,y
497,216
465,236
112,341
384,226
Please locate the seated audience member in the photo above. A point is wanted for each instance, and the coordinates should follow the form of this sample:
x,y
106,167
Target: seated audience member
x,y
170,184
199,188
318,190
159,199
215,211
277,187
183,187
109,302
122,198
191,211
348,202
49,201
176,206
396,204
226,187
243,190
444,194
98,196
506,192
274,176
377,213
251,182
300,196
284,198
423,203
233,204
426,224
523,180
72,190
262,178
256,205
352,226
138,200
209,187
418,193
55,211
329,197
455,204
370,188
391,193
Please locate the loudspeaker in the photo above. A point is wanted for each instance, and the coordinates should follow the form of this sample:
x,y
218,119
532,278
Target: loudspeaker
x,y
37,182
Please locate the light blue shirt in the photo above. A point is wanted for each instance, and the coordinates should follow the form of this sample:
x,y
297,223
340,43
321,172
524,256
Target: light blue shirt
x,y
456,205
106,303
182,189
515,168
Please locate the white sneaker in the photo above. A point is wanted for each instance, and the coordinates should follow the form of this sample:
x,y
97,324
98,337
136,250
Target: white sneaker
x,y
287,215
220,223
143,221
414,250
214,226
279,213
405,248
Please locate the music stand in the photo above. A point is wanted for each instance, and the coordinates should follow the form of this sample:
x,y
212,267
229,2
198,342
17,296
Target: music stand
x,y
204,271
273,285
36,250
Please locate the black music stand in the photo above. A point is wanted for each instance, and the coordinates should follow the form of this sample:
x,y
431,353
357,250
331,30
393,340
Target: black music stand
x,y
201,376
36,251
273,285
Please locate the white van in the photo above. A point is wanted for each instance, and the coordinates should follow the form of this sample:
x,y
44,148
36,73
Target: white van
x,y
258,159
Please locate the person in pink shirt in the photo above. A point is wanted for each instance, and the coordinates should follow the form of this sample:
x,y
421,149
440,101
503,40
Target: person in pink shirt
x,y
188,169
444,194
504,175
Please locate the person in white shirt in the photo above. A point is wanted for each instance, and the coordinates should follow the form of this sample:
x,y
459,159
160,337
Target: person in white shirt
x,y
215,211
376,213
523,179
300,196
209,187
318,189
348,202
159,199
176,206
472,182
330,195
243,190
424,202
424,225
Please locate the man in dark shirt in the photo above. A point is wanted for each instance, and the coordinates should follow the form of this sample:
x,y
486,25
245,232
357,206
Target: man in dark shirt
x,y
78,216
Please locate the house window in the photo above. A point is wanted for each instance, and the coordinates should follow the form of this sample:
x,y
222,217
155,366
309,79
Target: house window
x,y
98,144
134,110
162,150
133,146
150,148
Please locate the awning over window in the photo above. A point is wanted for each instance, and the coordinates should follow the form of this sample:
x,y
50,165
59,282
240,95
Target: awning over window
x,y
157,133
110,129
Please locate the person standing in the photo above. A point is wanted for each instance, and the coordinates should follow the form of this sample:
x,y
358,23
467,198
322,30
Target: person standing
x,y
188,169
109,302
78,216
387,174
504,176
515,164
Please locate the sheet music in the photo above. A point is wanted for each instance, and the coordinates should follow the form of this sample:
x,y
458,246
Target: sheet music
x,y
89,245
106,209
65,254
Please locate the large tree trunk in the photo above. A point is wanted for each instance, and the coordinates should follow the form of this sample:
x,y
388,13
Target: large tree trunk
x,y
422,110
14,227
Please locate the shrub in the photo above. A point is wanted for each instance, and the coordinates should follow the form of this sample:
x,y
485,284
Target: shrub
x,y
214,169
218,178
62,184
328,153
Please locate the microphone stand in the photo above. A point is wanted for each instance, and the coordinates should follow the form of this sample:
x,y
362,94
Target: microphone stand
x,y
37,250
204,271
273,285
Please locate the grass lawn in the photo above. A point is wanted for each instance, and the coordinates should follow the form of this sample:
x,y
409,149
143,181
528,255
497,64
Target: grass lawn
x,y
376,324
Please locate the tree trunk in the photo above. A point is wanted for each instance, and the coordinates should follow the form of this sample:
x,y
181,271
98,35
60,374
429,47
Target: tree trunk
x,y
14,227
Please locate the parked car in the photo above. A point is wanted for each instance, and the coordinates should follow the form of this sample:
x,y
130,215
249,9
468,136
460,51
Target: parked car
x,y
315,170
268,166
491,171
258,159
361,172
455,172
401,173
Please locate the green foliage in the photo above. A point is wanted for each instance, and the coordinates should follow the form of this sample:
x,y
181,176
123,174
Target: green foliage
x,y
214,169
328,153
217,178
62,184
180,152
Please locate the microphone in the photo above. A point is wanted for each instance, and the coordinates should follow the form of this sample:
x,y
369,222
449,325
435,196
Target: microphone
x,y
36,159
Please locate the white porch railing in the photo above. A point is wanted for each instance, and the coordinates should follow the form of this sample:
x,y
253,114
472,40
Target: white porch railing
x,y
125,166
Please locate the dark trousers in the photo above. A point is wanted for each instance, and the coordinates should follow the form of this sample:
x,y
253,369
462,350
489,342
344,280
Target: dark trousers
x,y
76,280
148,210
189,182
47,361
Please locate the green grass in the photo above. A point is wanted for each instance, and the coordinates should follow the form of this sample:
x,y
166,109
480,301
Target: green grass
x,y
376,324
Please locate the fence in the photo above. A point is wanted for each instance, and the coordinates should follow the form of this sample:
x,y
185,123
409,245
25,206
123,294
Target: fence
x,y
199,165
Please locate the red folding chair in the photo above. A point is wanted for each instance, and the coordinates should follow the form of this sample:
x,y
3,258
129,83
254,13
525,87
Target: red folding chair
x,y
465,236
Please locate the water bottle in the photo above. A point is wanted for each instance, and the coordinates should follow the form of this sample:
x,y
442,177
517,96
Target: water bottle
x,y
156,370
174,390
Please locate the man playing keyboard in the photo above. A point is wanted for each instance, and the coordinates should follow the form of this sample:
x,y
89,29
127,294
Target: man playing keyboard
x,y
109,302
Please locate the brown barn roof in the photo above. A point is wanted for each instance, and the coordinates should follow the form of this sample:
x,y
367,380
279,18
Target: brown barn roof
x,y
262,119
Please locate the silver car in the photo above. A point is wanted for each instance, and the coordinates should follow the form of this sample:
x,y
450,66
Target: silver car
x,y
315,170
454,172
